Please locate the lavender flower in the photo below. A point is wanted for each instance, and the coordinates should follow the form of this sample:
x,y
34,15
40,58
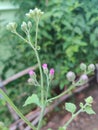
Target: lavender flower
x,y
35,12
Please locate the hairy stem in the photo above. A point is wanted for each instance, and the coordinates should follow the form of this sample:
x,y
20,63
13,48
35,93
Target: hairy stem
x,y
65,92
40,69
47,90
16,109
41,117
36,34
21,37
41,84
71,119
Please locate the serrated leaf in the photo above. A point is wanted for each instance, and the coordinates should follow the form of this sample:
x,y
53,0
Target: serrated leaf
x,y
89,110
32,99
70,107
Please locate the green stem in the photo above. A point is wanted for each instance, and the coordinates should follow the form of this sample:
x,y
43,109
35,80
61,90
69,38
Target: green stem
x,y
74,115
36,34
21,37
71,119
41,117
47,91
41,75
65,92
16,109
40,68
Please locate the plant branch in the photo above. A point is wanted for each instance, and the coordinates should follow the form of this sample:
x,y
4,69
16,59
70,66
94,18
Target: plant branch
x,y
65,92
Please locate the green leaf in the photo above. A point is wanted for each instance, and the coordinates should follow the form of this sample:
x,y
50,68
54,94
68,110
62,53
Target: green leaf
x,y
32,99
89,100
78,30
70,107
89,110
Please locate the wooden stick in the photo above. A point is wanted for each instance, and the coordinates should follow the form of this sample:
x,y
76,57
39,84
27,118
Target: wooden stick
x,y
18,75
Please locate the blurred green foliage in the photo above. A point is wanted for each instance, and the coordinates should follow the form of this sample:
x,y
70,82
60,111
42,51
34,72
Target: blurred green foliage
x,y
68,35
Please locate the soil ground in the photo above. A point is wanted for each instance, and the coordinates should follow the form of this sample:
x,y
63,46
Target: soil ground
x,y
82,121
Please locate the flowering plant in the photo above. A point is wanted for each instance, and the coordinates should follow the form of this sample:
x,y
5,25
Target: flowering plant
x,y
36,15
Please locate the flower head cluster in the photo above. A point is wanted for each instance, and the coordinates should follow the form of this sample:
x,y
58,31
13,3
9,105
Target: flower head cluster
x,y
12,27
34,13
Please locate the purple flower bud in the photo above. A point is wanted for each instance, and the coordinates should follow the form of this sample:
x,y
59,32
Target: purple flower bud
x,y
71,76
44,66
51,74
31,72
51,71
84,78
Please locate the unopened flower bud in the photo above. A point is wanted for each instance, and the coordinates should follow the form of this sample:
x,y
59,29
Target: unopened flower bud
x,y
36,10
28,15
12,27
41,13
83,66
31,14
51,73
30,81
84,79
45,68
29,25
32,74
71,76
24,26
91,67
